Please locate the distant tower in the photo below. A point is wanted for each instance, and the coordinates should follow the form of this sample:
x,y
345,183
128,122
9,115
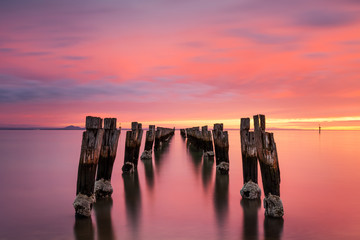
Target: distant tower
x,y
319,129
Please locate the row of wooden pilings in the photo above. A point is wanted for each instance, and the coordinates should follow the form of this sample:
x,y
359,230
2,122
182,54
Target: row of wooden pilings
x,y
98,153
99,147
256,146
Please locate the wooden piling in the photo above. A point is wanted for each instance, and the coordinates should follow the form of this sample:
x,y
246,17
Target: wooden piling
x,y
150,137
207,141
107,157
132,147
248,152
183,133
195,137
221,143
269,166
89,157
162,135
268,159
149,142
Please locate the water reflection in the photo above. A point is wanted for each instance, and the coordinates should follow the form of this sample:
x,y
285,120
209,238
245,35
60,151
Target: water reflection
x,y
196,156
221,201
273,228
102,209
132,201
83,228
149,174
159,155
250,222
206,172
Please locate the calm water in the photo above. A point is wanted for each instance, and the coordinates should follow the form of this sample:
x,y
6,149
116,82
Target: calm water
x,y
177,195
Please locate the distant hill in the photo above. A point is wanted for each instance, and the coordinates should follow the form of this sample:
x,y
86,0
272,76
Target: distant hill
x,y
71,127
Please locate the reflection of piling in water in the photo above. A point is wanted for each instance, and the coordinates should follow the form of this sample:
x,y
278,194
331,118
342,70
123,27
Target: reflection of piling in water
x,y
149,173
250,222
108,151
196,156
207,168
161,146
159,155
132,200
269,166
89,157
221,199
273,228
221,143
104,225
83,229
132,147
250,190
149,142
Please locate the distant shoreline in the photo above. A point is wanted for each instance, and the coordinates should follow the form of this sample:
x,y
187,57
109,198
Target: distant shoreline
x,y
126,129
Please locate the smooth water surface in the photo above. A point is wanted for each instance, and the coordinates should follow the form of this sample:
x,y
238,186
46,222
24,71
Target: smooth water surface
x,y
177,195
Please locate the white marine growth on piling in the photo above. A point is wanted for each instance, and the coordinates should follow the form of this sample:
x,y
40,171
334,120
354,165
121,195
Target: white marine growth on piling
x,y
273,206
103,188
250,190
83,204
146,155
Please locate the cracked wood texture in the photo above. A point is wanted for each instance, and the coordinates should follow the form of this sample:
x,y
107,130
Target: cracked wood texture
x,y
248,152
268,158
221,143
108,149
89,155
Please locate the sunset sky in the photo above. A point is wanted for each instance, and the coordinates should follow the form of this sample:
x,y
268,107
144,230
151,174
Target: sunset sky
x,y
180,63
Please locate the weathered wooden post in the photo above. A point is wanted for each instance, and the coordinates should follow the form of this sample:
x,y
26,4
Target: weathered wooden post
x,y
158,135
269,166
221,143
132,147
207,143
183,133
149,142
107,157
89,157
138,140
250,190
162,135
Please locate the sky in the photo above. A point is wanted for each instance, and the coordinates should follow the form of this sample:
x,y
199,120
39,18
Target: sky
x,y
181,63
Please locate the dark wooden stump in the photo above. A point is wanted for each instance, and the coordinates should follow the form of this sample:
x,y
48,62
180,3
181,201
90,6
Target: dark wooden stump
x,y
268,159
107,157
150,137
89,157
149,142
163,135
221,143
248,152
207,139
132,147
269,166
183,133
